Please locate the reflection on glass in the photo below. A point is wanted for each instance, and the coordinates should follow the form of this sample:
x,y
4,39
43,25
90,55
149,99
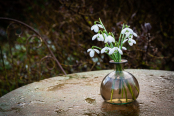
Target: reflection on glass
x,y
119,87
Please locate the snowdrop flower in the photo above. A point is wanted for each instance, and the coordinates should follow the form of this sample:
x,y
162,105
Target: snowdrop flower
x,y
95,36
128,31
124,48
105,50
131,41
112,50
98,36
92,51
109,39
120,51
127,34
96,27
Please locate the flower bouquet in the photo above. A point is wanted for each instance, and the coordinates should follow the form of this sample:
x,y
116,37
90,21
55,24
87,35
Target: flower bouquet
x,y
118,87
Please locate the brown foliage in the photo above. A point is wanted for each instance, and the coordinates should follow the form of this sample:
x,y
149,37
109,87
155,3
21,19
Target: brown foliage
x,y
66,25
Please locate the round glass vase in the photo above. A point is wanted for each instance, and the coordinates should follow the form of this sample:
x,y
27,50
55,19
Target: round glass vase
x,y
119,87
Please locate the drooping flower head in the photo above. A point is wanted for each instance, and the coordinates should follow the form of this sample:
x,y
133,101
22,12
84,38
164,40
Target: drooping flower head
x,y
92,51
109,39
129,34
115,49
128,31
96,27
98,36
105,49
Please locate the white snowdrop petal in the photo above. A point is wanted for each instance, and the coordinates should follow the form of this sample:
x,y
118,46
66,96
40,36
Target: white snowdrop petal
x,y
120,51
130,43
96,29
124,48
123,31
106,39
99,25
101,37
125,40
105,35
135,34
127,34
127,30
96,51
110,39
133,41
107,48
130,30
113,40
92,28
92,53
89,50
103,50
94,37
116,48
112,50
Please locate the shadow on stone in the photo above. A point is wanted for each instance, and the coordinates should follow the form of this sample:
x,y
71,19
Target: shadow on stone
x,y
131,109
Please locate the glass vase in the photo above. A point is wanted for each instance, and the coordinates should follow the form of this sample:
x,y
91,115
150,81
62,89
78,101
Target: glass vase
x,y
119,87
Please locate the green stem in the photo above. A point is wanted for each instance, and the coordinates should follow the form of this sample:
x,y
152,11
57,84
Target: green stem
x,y
114,56
112,91
103,26
119,87
120,73
125,91
123,40
120,35
130,89
136,87
112,94
96,47
122,88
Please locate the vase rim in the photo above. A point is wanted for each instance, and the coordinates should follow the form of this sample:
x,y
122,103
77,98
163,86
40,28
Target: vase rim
x,y
122,61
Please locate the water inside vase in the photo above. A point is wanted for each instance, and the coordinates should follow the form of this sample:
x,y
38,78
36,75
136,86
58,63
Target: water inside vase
x,y
118,89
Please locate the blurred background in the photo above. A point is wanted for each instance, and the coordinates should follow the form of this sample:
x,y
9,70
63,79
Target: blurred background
x,y
66,27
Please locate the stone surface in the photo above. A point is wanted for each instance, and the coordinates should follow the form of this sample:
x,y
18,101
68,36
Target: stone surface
x,y
79,94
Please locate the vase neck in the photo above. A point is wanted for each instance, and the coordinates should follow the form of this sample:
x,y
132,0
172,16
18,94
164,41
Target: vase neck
x,y
119,67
